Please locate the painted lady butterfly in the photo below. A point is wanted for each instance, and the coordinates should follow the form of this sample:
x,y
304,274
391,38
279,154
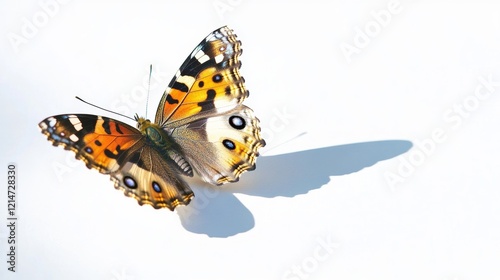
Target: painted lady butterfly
x,y
200,126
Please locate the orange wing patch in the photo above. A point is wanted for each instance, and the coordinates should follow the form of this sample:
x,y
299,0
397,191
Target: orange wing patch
x,y
213,92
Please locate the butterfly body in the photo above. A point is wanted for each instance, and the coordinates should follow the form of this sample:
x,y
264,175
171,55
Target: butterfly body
x,y
164,144
200,126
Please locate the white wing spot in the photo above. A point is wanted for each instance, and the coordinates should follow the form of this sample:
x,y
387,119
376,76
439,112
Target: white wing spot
x,y
52,121
202,57
74,138
75,121
187,80
219,58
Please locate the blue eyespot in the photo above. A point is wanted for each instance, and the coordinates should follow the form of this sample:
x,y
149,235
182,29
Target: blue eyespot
x,y
228,144
156,187
129,182
237,122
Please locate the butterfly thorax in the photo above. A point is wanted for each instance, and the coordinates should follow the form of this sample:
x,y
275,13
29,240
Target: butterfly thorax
x,y
154,133
164,143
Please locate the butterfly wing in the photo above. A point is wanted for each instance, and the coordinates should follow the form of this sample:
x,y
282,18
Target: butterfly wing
x,y
146,176
120,150
225,145
202,111
207,83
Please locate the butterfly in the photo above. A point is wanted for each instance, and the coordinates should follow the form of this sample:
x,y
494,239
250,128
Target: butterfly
x,y
201,126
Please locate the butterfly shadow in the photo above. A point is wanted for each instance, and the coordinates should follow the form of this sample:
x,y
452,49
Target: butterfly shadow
x,y
217,212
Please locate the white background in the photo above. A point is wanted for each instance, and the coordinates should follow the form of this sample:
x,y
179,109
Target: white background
x,y
382,141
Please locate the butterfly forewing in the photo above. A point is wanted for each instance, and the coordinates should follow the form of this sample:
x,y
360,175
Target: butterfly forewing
x,y
98,141
208,82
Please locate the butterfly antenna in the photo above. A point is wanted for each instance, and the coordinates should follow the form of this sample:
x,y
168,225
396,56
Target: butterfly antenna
x,y
103,108
149,86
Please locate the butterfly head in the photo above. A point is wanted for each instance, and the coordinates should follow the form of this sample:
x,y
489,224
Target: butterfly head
x,y
142,123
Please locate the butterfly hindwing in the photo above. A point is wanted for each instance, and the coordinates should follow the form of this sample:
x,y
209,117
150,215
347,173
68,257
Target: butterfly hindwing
x,y
226,143
118,149
146,176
